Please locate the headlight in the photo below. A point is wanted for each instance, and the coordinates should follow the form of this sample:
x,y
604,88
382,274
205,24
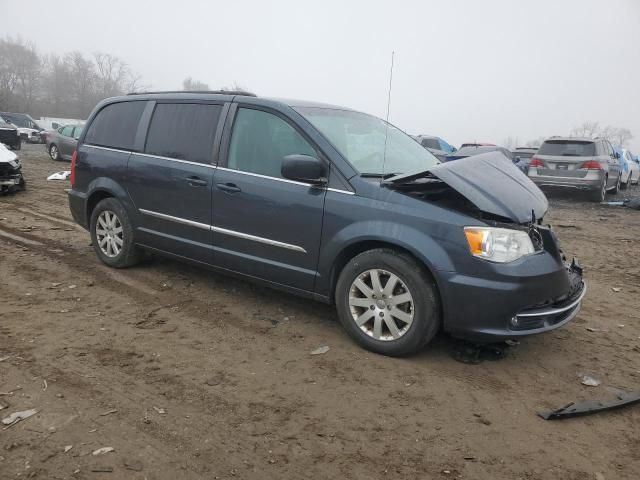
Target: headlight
x,y
500,245
14,163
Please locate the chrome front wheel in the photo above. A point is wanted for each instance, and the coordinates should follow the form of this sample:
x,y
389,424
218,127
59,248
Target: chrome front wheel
x,y
381,304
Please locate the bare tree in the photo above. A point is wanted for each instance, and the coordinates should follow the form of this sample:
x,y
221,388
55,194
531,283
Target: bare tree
x,y
190,84
587,129
536,142
111,74
616,135
20,68
235,87
619,136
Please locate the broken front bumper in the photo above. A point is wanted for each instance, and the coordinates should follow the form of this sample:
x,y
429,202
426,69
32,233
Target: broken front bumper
x,y
535,295
10,180
538,320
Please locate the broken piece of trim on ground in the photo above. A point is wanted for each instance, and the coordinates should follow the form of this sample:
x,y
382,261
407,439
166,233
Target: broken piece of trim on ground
x,y
591,406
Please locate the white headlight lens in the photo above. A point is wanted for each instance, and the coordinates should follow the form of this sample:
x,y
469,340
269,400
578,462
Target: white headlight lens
x,y
500,245
14,163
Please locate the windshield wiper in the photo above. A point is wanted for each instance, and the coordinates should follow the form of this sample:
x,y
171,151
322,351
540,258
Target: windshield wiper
x,y
380,175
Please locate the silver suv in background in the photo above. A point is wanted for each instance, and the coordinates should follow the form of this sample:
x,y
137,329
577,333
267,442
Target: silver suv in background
x,y
588,164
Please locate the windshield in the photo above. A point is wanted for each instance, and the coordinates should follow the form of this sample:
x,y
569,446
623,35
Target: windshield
x,y
360,138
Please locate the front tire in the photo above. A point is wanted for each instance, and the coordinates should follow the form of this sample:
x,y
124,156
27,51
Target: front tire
x,y
112,235
387,302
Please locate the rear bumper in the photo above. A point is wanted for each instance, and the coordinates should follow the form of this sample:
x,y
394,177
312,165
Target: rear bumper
x,y
77,205
592,181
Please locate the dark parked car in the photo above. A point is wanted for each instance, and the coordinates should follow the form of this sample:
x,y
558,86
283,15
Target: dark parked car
x,y
436,145
328,203
9,135
470,151
61,143
28,128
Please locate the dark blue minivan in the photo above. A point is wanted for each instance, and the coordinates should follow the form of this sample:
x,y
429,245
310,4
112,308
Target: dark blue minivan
x,y
328,203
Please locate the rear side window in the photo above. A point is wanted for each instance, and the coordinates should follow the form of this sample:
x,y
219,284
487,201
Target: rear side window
x,y
67,131
184,131
567,148
115,125
261,140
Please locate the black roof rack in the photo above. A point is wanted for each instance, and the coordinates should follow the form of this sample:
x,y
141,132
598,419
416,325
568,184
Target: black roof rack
x,y
219,92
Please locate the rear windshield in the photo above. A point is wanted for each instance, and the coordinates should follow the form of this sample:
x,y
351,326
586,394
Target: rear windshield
x,y
431,143
568,148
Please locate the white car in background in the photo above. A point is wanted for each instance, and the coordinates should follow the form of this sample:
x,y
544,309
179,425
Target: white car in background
x,y
633,173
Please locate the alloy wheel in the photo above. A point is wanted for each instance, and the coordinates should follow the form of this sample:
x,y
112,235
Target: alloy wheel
x,y
381,304
53,151
109,234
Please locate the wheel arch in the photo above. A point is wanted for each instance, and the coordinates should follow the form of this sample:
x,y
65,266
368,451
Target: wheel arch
x,y
102,188
357,247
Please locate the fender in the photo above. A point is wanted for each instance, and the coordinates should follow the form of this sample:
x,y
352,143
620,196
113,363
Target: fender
x,y
430,253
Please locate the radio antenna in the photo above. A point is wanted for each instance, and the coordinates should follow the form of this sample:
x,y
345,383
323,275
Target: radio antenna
x,y
386,131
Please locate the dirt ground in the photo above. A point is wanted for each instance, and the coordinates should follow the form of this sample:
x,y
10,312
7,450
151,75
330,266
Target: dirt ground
x,y
187,374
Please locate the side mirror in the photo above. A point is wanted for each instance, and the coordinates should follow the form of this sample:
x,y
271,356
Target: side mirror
x,y
304,168
518,159
616,155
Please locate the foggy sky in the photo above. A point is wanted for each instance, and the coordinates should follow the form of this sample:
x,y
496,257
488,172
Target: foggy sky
x,y
464,70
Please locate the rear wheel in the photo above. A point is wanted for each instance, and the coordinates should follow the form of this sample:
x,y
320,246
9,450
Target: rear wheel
x,y
112,234
625,185
18,145
54,153
616,189
387,302
598,195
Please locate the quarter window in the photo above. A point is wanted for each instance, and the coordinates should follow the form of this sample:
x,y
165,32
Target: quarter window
x,y
115,125
261,140
183,131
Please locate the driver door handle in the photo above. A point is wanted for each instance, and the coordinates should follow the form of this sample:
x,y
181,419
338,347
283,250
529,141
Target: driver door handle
x,y
228,187
196,182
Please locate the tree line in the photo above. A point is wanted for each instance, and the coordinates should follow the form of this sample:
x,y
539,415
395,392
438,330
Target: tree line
x,y
67,85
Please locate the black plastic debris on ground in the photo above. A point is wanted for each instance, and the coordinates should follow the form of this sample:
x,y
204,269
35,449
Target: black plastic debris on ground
x,y
591,406
476,353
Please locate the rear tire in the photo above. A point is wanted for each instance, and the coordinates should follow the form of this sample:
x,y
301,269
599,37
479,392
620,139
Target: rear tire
x,y
598,195
625,185
396,314
54,152
112,235
17,146
616,189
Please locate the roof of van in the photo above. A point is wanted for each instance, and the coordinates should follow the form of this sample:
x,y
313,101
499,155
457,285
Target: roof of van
x,y
224,95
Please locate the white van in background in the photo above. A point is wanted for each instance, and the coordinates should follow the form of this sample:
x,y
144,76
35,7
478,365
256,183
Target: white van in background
x,y
53,123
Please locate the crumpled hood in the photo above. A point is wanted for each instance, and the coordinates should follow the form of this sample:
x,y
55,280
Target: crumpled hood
x,y
6,155
492,183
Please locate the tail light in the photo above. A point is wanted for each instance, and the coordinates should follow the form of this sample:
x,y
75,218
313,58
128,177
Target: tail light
x,y
536,162
72,177
591,165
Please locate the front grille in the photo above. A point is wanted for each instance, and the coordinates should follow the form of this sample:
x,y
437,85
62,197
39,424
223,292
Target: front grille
x,y
8,136
6,170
